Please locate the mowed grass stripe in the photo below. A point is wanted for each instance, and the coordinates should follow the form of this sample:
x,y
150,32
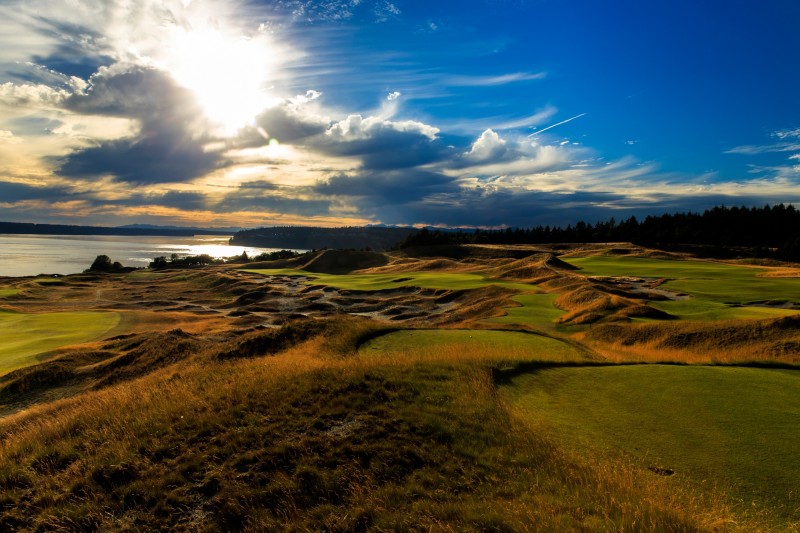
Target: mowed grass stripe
x,y
733,427
24,336
469,345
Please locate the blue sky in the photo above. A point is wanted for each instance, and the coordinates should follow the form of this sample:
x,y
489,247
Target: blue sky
x,y
481,112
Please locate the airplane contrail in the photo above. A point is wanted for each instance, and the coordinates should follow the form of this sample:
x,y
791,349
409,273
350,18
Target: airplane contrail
x,y
557,124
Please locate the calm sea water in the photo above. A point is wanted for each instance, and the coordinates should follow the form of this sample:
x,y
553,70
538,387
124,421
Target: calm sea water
x,y
29,255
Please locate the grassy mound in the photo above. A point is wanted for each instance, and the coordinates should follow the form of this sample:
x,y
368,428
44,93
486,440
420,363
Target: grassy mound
x,y
343,262
462,345
773,341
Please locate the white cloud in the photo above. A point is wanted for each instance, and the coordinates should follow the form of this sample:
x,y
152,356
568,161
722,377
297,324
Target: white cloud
x,y
489,146
301,99
393,96
31,95
355,127
787,134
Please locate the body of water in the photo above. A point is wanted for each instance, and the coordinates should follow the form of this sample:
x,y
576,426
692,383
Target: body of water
x,y
29,255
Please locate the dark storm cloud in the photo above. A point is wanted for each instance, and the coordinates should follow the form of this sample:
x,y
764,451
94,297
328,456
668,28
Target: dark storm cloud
x,y
156,158
268,196
169,146
16,192
390,187
179,199
388,149
487,207
284,123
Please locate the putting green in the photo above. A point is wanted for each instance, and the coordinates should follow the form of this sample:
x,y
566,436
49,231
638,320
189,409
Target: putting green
x,y
473,344
717,289
24,336
735,427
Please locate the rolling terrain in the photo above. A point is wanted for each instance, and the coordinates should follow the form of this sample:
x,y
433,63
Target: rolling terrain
x,y
479,387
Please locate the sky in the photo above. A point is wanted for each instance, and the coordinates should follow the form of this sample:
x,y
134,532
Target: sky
x,y
489,113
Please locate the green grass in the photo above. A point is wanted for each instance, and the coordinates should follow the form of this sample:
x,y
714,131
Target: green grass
x,y
536,310
702,309
45,281
468,345
377,282
24,336
8,292
712,285
735,427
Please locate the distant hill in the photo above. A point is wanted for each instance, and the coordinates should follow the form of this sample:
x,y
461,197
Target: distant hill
x,y
310,238
23,228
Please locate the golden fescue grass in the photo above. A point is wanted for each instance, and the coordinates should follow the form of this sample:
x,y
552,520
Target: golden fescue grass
x,y
173,449
780,273
775,341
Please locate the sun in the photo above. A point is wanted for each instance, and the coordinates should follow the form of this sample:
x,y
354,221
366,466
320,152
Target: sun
x,y
228,74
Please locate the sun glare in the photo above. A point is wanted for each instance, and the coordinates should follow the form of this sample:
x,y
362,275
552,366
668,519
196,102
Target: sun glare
x,y
226,73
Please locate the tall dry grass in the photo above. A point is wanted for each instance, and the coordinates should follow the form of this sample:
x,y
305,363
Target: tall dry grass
x,y
481,466
775,341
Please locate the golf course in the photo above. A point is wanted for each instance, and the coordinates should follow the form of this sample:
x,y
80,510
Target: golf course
x,y
507,390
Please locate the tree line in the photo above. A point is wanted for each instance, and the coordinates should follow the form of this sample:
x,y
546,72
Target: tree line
x,y
766,232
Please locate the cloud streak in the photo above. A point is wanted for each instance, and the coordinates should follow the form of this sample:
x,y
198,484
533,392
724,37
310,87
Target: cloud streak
x,y
536,133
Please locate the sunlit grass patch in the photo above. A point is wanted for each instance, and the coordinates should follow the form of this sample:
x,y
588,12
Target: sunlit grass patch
x,y
717,290
377,282
23,336
733,427
45,281
4,293
536,310
469,345
703,309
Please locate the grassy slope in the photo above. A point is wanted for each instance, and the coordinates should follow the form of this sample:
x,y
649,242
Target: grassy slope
x,y
462,345
712,285
312,439
535,310
24,336
8,292
737,427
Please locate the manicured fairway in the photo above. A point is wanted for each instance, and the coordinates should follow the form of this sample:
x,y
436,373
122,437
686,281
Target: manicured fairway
x,y
473,344
735,427
377,282
537,310
8,292
711,285
24,336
